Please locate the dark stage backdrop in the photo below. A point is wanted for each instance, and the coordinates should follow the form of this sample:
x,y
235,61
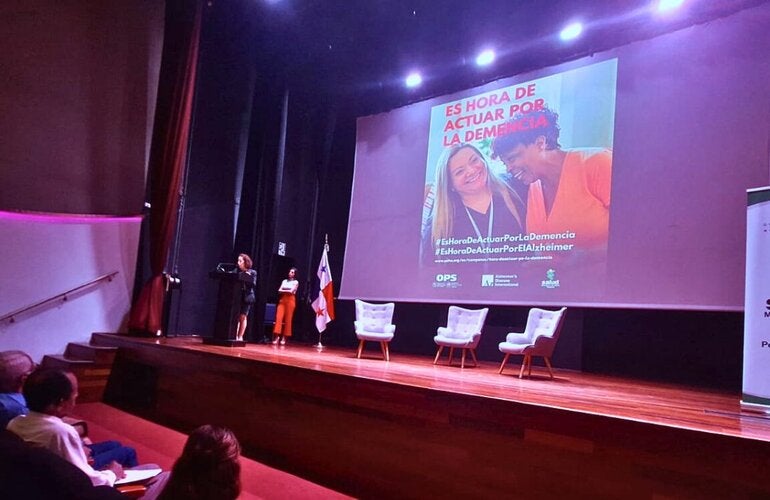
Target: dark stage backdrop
x,y
685,119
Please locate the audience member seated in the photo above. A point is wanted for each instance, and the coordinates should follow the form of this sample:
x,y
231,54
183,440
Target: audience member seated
x,y
51,395
32,472
104,452
15,366
208,469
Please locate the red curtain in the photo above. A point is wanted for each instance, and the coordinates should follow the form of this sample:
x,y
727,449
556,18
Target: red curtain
x,y
168,152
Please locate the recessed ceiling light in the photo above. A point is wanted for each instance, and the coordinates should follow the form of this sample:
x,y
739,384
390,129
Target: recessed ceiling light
x,y
485,58
413,80
669,5
571,31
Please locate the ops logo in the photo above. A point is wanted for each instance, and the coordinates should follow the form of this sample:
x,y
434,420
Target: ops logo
x,y
446,278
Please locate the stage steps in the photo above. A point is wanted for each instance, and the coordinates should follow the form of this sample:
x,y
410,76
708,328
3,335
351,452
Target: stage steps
x,y
91,364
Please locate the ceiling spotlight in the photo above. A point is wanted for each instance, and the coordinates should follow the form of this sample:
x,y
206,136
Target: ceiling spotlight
x,y
571,31
413,80
485,58
669,5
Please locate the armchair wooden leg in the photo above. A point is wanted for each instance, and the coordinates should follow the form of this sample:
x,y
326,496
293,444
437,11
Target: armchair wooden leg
x,y
462,361
387,351
438,353
473,355
451,355
505,360
384,347
548,364
360,348
523,365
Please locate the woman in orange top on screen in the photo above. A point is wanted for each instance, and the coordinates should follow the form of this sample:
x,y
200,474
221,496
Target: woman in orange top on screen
x,y
284,313
569,190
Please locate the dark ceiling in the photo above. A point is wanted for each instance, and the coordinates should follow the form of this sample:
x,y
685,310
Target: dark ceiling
x,y
364,48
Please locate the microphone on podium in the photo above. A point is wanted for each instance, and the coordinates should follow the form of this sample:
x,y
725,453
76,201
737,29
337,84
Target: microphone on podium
x,y
227,267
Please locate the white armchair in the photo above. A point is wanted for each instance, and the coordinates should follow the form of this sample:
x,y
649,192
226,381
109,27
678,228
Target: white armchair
x,y
463,330
374,322
538,339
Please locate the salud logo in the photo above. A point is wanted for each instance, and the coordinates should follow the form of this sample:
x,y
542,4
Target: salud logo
x,y
550,280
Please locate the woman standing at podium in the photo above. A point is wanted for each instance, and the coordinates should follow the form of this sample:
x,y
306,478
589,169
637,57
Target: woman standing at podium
x,y
287,293
248,278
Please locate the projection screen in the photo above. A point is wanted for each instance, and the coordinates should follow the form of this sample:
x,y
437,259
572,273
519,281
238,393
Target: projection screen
x,y
612,181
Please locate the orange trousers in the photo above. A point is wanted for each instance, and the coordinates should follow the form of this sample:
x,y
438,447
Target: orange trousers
x,y
284,314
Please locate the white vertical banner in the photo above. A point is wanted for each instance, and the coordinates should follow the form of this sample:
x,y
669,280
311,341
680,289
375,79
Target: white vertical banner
x,y
756,333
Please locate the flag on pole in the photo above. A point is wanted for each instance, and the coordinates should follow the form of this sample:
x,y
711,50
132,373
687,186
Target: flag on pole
x,y
324,304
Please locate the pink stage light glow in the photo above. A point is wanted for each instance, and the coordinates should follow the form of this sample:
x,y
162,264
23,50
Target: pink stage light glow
x,y
54,218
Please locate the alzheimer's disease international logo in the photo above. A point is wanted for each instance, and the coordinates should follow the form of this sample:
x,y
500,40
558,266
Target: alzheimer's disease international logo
x,y
499,280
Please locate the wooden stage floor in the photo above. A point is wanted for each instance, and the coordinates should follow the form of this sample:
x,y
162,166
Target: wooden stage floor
x,y
647,402
408,428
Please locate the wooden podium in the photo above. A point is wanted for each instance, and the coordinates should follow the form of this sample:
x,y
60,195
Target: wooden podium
x,y
228,309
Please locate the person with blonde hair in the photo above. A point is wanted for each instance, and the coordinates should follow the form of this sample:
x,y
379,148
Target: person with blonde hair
x,y
471,200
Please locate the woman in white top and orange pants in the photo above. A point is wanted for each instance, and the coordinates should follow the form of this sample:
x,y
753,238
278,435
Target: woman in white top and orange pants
x,y
287,302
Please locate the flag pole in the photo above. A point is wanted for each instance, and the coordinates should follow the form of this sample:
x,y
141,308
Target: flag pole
x,y
319,345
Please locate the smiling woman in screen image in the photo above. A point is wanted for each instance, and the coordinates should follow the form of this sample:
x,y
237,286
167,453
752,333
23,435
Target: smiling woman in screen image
x,y
569,190
471,201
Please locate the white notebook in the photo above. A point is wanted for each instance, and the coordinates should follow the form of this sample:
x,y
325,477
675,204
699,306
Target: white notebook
x,y
134,475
